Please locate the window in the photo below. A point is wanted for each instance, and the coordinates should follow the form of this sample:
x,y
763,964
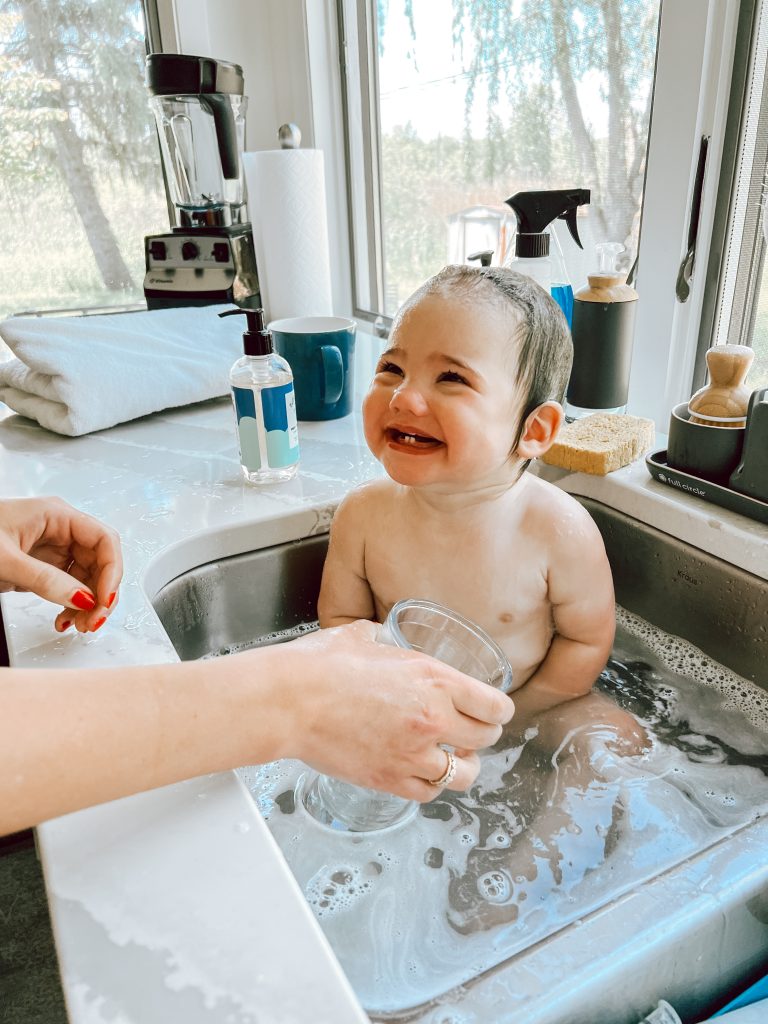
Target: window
x,y
738,312
79,165
453,107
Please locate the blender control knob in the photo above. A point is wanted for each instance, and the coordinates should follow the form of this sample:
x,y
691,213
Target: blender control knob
x,y
189,250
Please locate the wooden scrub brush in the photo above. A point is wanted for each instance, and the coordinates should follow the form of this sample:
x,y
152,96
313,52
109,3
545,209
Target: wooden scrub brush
x,y
724,401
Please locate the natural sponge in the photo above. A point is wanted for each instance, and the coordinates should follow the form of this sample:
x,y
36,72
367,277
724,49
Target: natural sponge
x,y
601,443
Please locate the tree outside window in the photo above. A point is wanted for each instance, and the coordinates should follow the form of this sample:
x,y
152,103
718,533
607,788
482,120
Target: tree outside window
x,y
79,163
480,99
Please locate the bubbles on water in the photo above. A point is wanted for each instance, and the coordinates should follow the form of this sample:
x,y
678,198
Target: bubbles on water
x,y
495,886
334,890
499,838
280,636
682,657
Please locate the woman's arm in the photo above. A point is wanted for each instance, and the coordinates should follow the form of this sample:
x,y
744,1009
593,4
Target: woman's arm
x,y
337,699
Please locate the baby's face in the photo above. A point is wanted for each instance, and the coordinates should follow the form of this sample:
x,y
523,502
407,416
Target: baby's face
x,y
443,407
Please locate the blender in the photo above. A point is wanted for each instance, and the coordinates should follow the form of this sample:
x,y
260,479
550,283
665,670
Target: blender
x,y
208,256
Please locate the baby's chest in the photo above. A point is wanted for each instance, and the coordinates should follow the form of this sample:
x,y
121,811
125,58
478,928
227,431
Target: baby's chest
x,y
500,584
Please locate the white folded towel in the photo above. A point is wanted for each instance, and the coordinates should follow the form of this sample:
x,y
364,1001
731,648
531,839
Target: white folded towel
x,y
82,373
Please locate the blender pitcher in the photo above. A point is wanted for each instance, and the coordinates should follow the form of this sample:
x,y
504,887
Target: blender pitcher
x,y
208,257
201,125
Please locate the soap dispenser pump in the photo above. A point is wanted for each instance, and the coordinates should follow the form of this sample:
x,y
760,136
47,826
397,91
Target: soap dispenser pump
x,y
265,405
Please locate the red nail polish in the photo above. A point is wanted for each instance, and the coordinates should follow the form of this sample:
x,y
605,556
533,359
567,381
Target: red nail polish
x,y
82,599
111,600
98,624
64,625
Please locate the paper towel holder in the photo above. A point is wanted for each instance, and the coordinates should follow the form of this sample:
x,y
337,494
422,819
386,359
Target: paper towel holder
x,y
289,136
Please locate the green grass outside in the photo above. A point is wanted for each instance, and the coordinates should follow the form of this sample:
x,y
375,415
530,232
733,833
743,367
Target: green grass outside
x,y
46,261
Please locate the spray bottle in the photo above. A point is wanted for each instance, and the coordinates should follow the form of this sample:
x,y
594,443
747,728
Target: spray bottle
x,y
603,332
534,212
265,406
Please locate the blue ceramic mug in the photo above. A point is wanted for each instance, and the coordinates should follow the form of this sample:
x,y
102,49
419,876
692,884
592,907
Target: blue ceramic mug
x,y
320,351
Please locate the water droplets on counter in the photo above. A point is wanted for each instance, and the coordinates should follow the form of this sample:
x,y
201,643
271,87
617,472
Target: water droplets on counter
x,y
541,839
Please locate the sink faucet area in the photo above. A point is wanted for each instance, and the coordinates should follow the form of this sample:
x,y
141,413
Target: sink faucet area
x,y
179,903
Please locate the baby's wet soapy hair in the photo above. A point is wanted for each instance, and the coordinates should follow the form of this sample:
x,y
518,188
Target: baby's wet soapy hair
x,y
540,341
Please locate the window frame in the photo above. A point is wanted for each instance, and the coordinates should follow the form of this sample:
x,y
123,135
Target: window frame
x,y
359,90
730,305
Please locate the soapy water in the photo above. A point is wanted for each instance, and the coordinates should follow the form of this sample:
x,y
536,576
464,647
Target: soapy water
x,y
280,636
544,836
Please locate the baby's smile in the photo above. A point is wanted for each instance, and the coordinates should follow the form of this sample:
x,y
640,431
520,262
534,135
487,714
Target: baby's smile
x,y
413,441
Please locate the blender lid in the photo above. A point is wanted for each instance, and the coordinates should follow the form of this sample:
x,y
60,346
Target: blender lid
x,y
178,74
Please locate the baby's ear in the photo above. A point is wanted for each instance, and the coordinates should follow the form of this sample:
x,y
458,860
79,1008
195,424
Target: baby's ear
x,y
540,431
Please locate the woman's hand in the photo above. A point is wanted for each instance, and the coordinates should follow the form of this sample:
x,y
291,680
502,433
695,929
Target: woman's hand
x,y
376,715
63,555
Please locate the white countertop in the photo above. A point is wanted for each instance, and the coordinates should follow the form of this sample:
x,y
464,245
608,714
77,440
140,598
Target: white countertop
x,y
176,906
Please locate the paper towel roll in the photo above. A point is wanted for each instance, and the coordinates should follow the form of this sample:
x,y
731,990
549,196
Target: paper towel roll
x,y
286,202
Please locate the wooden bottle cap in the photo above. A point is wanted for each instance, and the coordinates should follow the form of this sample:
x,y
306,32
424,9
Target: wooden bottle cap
x,y
607,288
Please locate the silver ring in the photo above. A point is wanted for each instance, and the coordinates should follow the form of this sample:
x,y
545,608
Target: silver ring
x,y
450,771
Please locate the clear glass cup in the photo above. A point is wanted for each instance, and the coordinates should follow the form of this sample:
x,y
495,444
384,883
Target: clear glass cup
x,y
432,629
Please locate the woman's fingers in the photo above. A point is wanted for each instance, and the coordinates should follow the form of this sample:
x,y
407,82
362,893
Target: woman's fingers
x,y
83,622
97,548
63,555
53,584
482,703
466,765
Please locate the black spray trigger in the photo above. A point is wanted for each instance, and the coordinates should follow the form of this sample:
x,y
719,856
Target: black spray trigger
x,y
570,219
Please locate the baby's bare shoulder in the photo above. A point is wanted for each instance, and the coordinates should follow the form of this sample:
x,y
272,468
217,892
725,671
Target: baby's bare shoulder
x,y
558,517
363,501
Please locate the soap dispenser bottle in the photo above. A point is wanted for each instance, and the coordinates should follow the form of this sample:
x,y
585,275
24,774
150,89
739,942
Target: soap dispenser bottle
x,y
603,332
535,211
265,405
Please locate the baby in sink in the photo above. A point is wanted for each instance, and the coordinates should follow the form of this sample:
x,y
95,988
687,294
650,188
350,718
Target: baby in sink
x,y
466,395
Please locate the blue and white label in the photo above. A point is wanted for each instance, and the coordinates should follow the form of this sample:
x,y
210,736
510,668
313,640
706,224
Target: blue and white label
x,y
267,429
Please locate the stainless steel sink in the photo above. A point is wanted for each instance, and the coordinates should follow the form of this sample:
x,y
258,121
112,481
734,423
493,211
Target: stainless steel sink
x,y
686,935
244,600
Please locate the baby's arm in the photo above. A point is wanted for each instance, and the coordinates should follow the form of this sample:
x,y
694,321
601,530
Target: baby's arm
x,y
580,589
345,594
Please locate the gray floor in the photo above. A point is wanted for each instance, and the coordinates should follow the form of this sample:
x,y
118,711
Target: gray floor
x,y
30,991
